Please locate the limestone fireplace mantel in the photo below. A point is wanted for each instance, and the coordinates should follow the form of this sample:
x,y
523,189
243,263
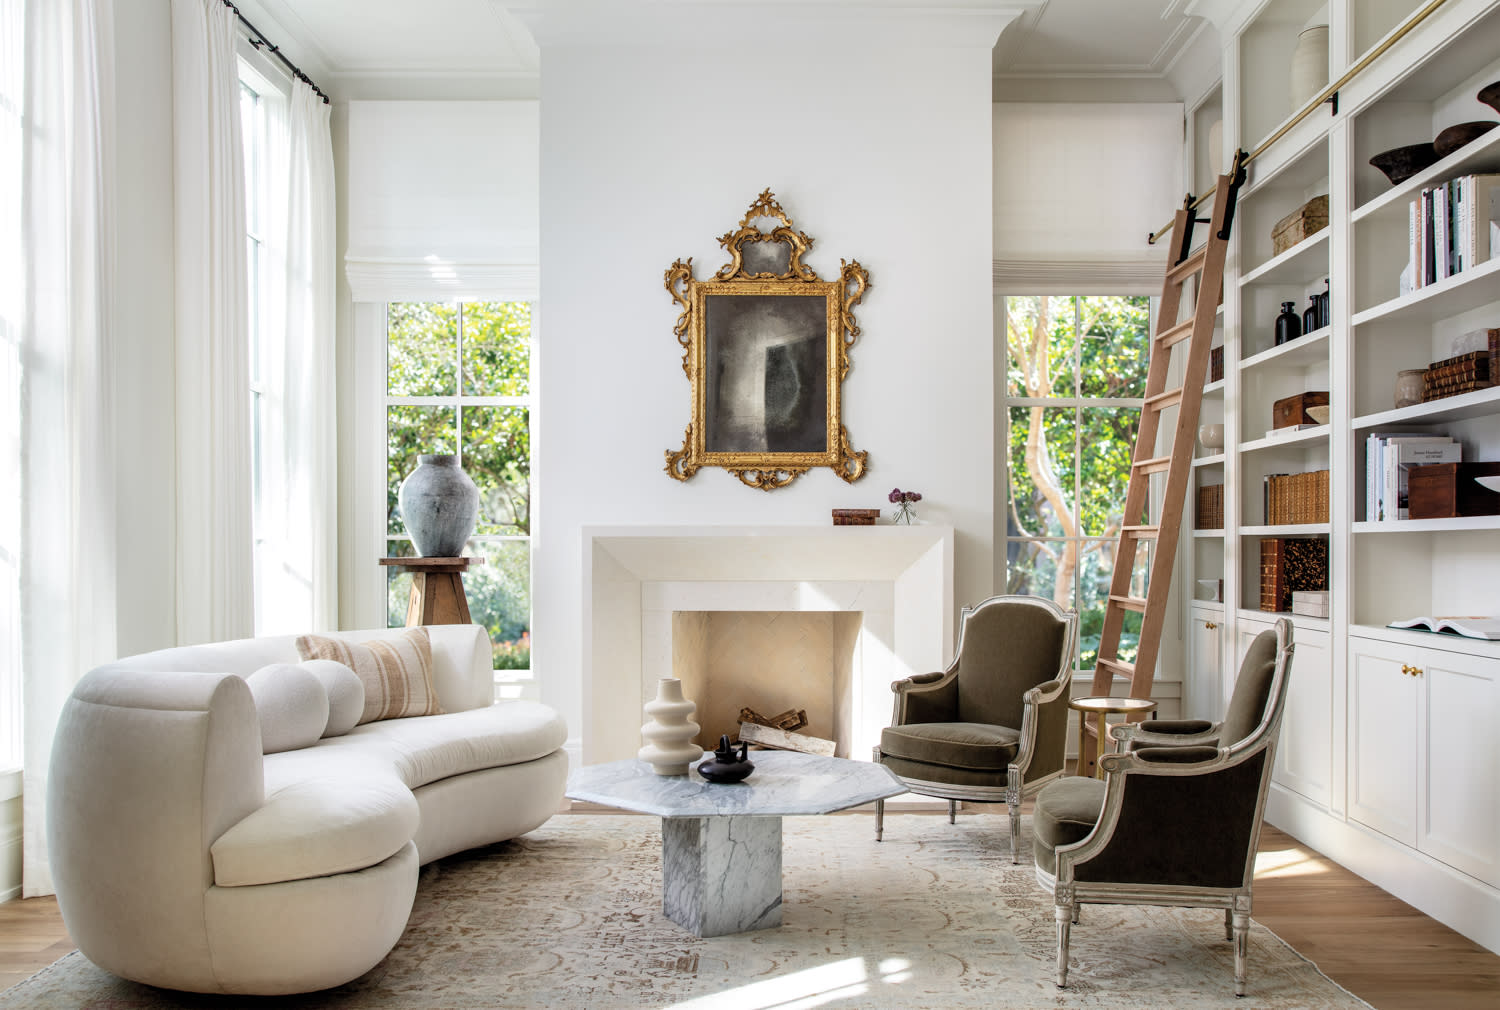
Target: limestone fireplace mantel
x,y
900,578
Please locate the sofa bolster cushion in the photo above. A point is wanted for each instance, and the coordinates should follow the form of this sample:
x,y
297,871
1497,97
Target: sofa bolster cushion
x,y
291,704
346,694
317,827
437,747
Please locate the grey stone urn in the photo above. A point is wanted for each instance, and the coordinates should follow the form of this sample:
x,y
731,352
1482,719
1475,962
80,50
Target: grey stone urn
x,y
440,505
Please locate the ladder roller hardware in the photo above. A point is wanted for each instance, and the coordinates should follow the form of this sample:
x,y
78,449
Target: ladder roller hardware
x,y
1154,457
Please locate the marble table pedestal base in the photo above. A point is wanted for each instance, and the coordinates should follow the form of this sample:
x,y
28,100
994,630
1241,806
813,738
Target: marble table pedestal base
x,y
721,874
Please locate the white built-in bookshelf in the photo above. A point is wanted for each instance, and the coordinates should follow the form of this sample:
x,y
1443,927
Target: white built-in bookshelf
x,y
1393,772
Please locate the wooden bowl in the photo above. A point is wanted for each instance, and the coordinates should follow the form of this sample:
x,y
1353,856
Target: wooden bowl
x,y
1457,136
1401,163
1490,95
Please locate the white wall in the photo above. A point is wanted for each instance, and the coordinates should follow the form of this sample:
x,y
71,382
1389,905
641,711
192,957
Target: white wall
x,y
648,154
1085,182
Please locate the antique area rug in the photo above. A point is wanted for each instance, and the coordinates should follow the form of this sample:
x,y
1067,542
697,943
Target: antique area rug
x,y
935,916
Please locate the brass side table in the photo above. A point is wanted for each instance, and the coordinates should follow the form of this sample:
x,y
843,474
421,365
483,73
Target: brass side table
x,y
437,589
1102,707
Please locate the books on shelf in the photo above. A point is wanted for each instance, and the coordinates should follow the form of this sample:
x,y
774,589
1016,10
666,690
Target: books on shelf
x,y
1487,628
1310,603
1209,514
1389,455
1296,498
1289,565
1290,429
1451,227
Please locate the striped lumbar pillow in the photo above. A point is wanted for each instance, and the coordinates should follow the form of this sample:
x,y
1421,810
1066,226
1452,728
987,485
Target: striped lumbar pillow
x,y
396,670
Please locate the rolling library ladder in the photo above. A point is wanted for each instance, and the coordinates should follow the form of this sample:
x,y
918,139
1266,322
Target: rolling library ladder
x,y
1206,264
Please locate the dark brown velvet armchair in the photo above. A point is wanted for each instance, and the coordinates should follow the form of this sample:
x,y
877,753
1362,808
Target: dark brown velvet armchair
x,y
993,726
1177,819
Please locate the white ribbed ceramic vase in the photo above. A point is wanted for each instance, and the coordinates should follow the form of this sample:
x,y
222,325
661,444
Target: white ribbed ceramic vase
x,y
669,734
1309,65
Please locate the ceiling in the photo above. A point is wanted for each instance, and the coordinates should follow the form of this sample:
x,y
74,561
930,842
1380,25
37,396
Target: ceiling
x,y
369,47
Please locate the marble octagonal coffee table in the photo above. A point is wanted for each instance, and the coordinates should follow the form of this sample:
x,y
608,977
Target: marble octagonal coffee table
x,y
721,844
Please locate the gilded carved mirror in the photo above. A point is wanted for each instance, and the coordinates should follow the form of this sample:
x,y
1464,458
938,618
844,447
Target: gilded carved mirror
x,y
766,348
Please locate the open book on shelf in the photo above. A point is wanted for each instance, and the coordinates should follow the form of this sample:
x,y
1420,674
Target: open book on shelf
x,y
1470,627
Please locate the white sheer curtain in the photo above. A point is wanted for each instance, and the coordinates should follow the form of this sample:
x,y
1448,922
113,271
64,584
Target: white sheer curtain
x,y
299,523
215,580
67,517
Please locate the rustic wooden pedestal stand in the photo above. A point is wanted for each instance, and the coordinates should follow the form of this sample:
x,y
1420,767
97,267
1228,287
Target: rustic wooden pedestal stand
x,y
437,589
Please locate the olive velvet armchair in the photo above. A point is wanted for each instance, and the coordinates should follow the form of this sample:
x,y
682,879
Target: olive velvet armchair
x,y
1177,819
993,726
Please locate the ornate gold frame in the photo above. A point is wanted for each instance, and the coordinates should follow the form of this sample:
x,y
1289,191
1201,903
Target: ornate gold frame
x,y
770,273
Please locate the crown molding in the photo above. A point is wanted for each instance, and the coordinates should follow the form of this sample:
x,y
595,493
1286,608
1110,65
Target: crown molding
x,y
373,279
774,23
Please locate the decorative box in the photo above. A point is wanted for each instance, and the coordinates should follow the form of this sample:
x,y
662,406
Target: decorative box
x,y
1306,220
855,517
1448,490
1291,410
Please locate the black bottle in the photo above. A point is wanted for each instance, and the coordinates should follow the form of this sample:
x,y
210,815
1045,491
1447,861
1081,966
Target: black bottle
x,y
1288,324
1325,310
1311,317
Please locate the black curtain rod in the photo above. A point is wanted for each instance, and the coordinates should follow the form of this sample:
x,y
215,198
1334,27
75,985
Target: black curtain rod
x,y
259,41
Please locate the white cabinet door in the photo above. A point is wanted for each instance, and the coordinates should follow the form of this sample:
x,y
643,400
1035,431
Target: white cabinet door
x,y
1304,756
1205,698
1459,802
1383,738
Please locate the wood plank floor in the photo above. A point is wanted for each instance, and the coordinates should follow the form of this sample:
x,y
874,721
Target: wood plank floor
x,y
1377,947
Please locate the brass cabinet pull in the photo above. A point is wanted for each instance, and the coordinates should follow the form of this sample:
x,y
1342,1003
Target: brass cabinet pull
x,y
1209,625
1415,671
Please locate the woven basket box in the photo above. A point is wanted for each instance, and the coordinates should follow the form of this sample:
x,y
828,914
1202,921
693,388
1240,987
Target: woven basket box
x,y
1306,220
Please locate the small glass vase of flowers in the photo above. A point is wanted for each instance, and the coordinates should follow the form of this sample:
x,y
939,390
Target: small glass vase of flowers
x,y
906,502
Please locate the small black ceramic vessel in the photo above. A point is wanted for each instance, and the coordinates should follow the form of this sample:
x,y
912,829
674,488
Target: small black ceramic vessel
x,y
726,765
1401,163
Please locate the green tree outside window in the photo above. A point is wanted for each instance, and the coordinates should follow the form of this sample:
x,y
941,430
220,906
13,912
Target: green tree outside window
x,y
458,379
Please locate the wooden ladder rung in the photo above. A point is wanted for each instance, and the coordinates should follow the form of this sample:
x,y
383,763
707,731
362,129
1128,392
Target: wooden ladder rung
x,y
1141,532
1189,266
1158,464
1136,603
1161,401
1175,334
1117,668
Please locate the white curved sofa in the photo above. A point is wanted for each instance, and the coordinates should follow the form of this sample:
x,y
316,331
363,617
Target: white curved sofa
x,y
184,858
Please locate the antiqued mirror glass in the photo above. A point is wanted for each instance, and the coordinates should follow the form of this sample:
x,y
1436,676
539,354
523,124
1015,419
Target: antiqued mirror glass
x,y
766,348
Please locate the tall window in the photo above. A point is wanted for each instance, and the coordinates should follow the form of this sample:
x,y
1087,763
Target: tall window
x,y
458,380
1076,384
253,134
11,305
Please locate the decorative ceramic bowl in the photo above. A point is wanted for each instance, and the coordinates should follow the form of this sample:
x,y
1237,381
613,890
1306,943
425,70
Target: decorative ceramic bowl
x,y
1401,163
1490,95
1320,414
1457,136
1211,436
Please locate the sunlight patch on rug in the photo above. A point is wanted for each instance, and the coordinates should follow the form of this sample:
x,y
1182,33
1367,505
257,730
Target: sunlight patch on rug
x,y
937,916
